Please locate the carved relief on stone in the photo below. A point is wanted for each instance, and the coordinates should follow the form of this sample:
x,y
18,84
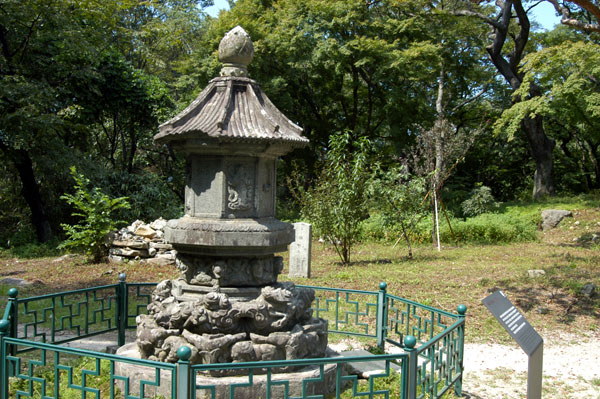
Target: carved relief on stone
x,y
276,325
229,272
240,186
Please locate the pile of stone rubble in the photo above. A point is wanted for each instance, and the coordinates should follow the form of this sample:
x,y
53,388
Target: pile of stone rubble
x,y
143,242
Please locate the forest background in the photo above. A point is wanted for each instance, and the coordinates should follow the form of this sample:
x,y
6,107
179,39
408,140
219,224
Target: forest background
x,y
461,102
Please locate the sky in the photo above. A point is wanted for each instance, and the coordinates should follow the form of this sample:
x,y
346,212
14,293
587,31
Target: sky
x,y
543,13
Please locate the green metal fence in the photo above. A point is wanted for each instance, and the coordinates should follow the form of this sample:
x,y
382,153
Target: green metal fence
x,y
34,364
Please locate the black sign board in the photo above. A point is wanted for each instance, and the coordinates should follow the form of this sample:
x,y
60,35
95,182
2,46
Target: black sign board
x,y
513,321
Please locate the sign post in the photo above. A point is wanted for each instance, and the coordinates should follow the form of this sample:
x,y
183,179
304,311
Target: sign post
x,y
528,339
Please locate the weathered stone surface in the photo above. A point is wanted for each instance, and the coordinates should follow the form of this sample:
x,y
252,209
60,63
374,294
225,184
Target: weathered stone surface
x,y
552,217
161,246
133,244
136,373
15,282
158,224
588,290
279,320
230,272
300,251
116,258
536,273
231,136
159,261
128,252
145,231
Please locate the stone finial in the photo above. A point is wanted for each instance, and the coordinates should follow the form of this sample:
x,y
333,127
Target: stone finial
x,y
235,52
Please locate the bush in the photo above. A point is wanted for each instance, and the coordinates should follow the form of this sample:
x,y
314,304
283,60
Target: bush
x,y
335,205
96,211
481,201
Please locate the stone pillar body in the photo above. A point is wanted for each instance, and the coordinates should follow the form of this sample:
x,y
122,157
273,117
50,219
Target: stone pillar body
x,y
300,251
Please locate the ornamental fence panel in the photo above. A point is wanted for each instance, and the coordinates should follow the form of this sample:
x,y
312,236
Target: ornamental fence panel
x,y
34,365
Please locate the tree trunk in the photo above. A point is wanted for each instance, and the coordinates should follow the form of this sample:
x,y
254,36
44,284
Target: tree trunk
x,y
30,192
541,149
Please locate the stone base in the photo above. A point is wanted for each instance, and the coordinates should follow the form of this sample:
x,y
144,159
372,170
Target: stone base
x,y
189,292
136,373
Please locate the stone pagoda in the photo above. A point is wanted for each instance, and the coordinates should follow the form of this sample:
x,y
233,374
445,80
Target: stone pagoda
x,y
228,306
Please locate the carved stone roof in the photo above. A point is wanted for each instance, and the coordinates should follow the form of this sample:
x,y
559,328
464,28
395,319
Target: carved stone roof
x,y
233,107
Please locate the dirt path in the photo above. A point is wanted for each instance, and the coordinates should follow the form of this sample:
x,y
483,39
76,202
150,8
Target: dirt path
x,y
571,369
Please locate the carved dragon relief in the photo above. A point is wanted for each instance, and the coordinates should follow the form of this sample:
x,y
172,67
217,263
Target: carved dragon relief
x,y
240,186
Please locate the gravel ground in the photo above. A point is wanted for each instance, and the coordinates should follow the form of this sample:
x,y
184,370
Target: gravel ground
x,y
494,371
571,369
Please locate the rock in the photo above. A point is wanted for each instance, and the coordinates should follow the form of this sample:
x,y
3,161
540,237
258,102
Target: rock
x,y
167,255
159,261
17,282
63,258
134,244
536,273
552,217
161,246
145,231
134,226
577,223
142,253
115,258
588,290
152,251
158,224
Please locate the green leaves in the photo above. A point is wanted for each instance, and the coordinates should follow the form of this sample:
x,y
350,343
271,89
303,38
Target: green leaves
x,y
96,211
337,202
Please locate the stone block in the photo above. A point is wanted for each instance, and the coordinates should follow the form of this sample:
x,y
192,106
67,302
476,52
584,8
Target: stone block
x,y
128,252
159,261
300,251
161,246
134,244
145,231
297,382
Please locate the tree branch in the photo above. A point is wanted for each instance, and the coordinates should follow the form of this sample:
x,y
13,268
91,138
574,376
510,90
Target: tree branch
x,y
573,22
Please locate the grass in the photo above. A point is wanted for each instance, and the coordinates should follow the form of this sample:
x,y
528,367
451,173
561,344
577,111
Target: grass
x,y
456,275
464,274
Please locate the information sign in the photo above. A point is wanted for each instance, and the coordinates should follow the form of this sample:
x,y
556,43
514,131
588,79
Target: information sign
x,y
513,321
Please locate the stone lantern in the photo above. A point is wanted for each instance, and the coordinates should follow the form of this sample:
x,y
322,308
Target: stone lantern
x,y
232,135
228,306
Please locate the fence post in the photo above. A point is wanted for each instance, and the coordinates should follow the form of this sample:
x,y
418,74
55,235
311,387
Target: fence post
x,y
381,315
4,326
183,372
122,308
13,293
409,346
462,310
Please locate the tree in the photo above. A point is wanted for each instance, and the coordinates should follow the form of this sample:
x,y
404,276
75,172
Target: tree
x,y
336,203
579,14
60,64
506,51
42,46
568,78
399,198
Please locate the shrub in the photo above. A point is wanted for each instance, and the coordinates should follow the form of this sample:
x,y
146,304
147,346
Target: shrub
x,y
399,198
96,211
481,201
336,203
